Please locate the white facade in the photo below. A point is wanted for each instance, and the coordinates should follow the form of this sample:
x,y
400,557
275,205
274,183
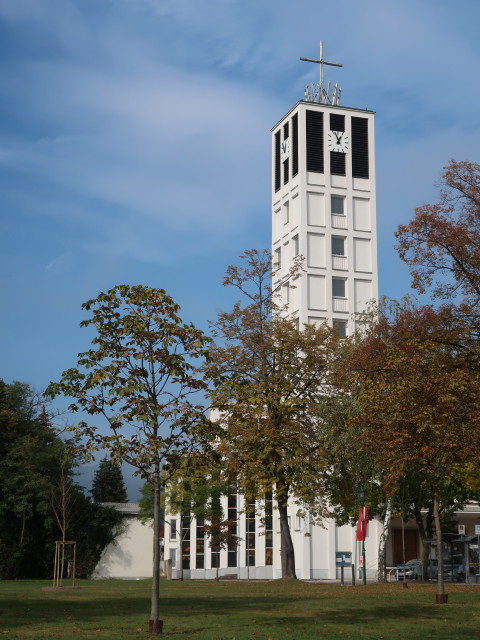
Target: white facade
x,y
130,555
326,217
315,548
324,209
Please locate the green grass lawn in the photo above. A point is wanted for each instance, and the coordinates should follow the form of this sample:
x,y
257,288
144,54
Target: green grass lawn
x,y
117,610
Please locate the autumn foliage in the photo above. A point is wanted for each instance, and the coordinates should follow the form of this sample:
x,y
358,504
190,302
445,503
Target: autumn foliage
x,y
267,379
418,399
441,244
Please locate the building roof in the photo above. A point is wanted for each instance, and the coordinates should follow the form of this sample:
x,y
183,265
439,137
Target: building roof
x,y
129,508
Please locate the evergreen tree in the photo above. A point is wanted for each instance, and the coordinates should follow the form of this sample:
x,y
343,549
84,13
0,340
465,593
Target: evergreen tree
x,y
108,484
35,462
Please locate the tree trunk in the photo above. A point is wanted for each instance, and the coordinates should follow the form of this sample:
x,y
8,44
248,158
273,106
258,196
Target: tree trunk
x,y
22,532
441,597
405,584
425,532
287,552
155,625
382,545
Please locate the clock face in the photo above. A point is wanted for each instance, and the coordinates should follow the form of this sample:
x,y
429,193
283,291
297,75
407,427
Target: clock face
x,y
338,141
285,150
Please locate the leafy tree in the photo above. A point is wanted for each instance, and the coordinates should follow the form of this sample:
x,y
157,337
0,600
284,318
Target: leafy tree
x,y
419,404
195,492
139,376
220,531
441,243
349,468
93,527
35,465
267,378
441,247
146,503
108,484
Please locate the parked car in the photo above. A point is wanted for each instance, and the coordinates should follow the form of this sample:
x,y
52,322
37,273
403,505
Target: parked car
x,y
413,570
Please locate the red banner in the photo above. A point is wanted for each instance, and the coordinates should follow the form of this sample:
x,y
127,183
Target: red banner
x,y
362,523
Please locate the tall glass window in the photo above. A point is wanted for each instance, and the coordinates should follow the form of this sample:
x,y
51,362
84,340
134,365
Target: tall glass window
x,y
250,534
232,526
215,550
186,521
268,529
200,544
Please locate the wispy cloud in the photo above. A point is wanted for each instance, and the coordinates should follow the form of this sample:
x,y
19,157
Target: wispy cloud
x,y
134,135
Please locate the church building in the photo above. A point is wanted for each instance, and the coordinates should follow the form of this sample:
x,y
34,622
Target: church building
x,y
323,208
324,214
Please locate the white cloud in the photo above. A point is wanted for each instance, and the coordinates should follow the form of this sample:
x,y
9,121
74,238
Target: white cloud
x,y
134,134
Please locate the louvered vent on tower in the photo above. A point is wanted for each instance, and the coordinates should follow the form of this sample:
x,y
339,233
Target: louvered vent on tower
x,y
314,139
295,145
277,161
360,148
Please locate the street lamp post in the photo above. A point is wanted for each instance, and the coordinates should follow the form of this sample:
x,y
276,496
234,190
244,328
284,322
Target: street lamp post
x,y
361,498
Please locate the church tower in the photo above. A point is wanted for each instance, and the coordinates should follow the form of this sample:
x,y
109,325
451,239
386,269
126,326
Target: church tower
x,y
323,207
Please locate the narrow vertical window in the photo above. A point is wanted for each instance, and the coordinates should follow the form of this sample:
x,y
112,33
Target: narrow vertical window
x,y
215,549
338,287
360,148
277,263
186,521
232,528
337,204
277,161
340,327
200,544
250,534
268,529
295,145
296,246
286,163
314,140
338,246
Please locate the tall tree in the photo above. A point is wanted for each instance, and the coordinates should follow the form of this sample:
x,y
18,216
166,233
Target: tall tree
x,y
420,404
108,484
195,492
36,486
348,468
267,378
139,376
31,461
441,244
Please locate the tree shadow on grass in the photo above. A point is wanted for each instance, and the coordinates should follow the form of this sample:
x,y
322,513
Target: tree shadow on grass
x,y
271,613
23,611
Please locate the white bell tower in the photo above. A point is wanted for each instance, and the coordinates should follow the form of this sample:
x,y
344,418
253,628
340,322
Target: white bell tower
x,y
323,207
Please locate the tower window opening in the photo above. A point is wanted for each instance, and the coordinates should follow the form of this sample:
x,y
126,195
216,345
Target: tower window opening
x,y
337,204
338,287
340,326
338,246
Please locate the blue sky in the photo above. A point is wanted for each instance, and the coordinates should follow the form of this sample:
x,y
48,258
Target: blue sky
x,y
135,142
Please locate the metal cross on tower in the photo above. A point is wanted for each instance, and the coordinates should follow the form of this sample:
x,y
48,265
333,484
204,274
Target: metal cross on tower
x,y
323,96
